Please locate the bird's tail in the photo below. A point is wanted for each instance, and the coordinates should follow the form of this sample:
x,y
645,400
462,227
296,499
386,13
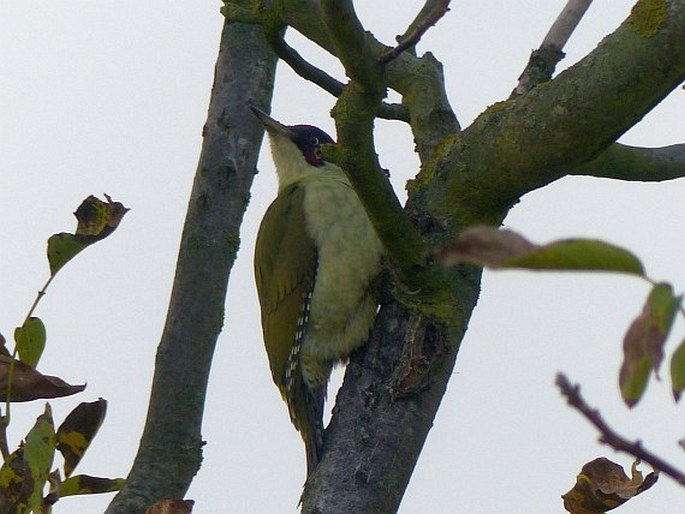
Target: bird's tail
x,y
306,413
313,436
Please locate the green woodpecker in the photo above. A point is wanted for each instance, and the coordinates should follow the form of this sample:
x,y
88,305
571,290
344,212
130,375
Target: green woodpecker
x,y
316,258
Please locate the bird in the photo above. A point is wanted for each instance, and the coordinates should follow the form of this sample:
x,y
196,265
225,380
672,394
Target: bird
x,y
317,259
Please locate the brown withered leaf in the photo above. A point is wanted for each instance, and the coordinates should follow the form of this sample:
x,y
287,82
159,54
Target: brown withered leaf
x,y
486,246
3,348
602,485
29,384
171,507
98,219
54,480
95,221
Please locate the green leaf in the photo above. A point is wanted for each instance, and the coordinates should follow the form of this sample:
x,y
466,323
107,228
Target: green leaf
x,y
634,380
39,451
30,339
678,370
85,484
644,342
62,248
663,307
78,430
488,246
581,255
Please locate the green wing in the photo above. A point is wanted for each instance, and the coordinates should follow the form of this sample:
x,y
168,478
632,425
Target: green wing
x,y
284,263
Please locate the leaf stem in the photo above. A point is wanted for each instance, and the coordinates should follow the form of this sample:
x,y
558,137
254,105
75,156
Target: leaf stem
x,y
4,448
5,420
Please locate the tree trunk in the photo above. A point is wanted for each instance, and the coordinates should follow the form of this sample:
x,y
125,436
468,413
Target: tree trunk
x,y
170,450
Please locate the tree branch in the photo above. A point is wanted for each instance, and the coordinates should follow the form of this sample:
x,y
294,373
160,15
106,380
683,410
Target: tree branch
x,y
432,12
611,438
170,449
326,82
634,163
302,67
550,131
562,28
378,418
354,113
309,17
352,45
544,60
419,80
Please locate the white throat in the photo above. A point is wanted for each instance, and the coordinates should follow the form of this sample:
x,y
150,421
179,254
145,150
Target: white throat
x,y
291,165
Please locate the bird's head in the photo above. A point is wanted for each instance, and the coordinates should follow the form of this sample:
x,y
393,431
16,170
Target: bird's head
x,y
296,149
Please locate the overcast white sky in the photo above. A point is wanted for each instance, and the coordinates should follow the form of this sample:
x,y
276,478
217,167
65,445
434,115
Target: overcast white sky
x,y
111,97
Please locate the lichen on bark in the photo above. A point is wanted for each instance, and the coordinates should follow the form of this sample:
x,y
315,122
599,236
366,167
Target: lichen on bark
x,y
647,16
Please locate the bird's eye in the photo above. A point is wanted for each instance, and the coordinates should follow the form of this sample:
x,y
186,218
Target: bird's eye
x,y
314,141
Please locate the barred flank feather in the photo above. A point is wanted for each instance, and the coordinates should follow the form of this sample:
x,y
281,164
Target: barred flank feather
x,y
305,405
293,369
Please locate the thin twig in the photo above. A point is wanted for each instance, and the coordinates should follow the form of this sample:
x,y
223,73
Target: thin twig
x,y
309,72
303,68
4,447
438,11
5,420
544,60
608,436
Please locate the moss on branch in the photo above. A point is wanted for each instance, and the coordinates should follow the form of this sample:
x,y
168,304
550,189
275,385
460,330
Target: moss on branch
x,y
545,134
647,16
623,162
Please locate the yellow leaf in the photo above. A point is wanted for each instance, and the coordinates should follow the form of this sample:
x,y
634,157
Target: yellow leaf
x,y
97,218
85,484
78,430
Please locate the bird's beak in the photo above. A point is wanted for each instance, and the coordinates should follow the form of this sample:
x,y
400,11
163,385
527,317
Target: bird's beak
x,y
271,125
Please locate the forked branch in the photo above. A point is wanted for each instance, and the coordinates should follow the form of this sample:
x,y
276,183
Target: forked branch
x,y
354,113
309,72
429,16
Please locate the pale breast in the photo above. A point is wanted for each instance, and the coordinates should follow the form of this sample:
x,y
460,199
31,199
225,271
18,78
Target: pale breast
x,y
349,252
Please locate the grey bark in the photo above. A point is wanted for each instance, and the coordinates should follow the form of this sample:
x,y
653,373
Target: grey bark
x,y
170,450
